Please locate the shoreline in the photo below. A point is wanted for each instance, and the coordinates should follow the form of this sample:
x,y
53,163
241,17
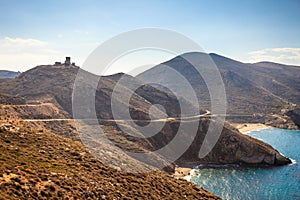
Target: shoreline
x,y
183,173
247,127
186,173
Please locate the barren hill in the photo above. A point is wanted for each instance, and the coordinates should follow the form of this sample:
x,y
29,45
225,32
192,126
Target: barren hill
x,y
251,89
40,165
55,84
43,157
52,85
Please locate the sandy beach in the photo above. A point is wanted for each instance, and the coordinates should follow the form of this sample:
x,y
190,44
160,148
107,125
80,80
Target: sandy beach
x,y
246,127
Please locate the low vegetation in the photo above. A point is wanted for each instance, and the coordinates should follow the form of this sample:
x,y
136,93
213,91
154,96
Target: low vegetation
x,y
39,165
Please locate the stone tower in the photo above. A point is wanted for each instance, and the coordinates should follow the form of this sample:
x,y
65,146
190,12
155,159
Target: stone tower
x,y
68,61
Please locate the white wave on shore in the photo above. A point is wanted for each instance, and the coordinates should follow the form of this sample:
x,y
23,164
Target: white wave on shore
x,y
191,174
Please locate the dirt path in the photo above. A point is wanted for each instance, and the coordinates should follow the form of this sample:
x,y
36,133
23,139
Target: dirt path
x,y
25,105
186,119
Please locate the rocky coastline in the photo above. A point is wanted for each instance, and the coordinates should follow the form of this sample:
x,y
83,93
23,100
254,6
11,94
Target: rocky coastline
x,y
186,170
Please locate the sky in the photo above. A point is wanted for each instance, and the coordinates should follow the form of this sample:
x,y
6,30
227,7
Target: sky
x,y
37,32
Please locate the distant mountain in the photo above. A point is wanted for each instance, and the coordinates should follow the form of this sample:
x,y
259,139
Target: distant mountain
x,y
8,74
259,88
281,81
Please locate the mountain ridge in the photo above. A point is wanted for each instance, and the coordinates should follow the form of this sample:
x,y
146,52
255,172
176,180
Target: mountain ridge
x,y
273,89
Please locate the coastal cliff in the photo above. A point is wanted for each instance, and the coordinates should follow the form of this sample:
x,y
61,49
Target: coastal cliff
x,y
232,147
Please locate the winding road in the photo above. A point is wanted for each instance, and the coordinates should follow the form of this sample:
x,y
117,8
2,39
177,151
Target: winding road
x,y
188,118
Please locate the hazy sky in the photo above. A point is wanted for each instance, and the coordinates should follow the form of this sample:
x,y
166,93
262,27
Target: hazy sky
x,y
40,32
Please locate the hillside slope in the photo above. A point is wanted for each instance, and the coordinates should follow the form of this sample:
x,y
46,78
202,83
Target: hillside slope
x,y
255,92
39,165
244,94
280,80
52,85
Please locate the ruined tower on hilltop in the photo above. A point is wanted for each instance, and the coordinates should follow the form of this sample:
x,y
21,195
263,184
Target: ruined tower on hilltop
x,y
68,61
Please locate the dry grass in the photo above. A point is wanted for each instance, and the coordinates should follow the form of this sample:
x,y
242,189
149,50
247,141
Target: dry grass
x,y
40,165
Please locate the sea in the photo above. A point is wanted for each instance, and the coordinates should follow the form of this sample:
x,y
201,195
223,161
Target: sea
x,y
261,183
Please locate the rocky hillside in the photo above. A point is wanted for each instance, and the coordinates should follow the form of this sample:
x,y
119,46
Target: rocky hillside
x,y
39,165
282,81
51,87
232,147
43,157
54,84
235,148
260,88
294,115
10,99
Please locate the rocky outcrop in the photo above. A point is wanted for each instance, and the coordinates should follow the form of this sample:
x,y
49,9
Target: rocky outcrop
x,y
233,148
294,116
288,120
236,148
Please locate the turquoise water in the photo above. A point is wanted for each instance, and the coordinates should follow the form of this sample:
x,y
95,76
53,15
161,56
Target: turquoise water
x,y
272,183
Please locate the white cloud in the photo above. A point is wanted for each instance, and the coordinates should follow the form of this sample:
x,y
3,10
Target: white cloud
x,y
7,41
22,54
289,56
